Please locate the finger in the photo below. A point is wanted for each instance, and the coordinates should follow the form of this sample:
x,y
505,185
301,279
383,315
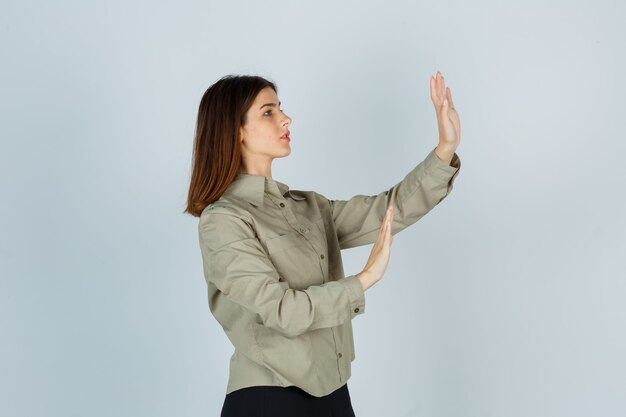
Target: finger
x,y
387,214
445,104
433,87
388,234
434,96
443,86
387,223
449,94
383,225
381,231
440,90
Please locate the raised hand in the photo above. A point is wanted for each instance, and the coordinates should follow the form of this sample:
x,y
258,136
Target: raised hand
x,y
379,257
447,117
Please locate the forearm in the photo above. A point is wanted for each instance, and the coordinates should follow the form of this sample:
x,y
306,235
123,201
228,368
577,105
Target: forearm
x,y
357,220
366,279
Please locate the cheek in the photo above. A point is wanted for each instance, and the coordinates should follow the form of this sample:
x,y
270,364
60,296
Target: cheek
x,y
266,136
259,143
261,138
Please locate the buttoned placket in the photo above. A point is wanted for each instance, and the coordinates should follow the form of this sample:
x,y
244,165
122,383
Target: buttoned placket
x,y
302,226
305,231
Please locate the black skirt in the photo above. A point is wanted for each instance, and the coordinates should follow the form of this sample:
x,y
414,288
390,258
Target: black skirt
x,y
274,401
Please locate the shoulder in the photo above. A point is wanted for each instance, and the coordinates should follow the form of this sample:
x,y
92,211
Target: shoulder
x,y
225,207
309,195
224,222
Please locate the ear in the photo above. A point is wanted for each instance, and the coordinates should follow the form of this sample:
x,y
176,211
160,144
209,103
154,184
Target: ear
x,y
242,133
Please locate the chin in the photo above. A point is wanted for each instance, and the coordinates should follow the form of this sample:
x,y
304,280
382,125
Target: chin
x,y
284,152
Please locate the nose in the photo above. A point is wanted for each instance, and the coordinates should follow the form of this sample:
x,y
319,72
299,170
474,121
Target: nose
x,y
287,121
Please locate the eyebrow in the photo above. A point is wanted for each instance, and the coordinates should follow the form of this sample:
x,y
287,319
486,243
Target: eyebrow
x,y
270,105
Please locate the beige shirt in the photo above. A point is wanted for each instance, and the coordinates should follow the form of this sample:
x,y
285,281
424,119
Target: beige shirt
x,y
276,284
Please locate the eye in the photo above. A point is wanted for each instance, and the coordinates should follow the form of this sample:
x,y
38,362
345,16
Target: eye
x,y
269,111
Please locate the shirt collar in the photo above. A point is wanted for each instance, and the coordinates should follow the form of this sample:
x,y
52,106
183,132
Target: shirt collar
x,y
252,188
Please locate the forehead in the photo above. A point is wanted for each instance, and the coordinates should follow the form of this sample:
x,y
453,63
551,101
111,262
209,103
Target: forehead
x,y
266,95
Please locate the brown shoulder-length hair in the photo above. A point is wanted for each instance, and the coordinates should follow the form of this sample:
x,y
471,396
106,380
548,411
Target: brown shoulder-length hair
x,y
217,151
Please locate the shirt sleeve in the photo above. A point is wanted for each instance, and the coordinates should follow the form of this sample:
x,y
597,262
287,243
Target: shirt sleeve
x,y
358,219
236,264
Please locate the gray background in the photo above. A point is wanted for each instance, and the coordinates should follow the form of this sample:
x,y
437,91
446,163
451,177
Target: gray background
x,y
508,296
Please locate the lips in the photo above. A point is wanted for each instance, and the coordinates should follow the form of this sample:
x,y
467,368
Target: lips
x,y
286,135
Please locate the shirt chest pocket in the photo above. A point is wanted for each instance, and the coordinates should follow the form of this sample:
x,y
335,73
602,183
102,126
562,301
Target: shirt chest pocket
x,y
295,260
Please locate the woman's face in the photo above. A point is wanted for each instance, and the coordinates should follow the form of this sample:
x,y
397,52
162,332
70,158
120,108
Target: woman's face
x,y
262,137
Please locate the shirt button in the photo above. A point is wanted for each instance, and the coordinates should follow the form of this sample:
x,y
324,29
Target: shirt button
x,y
339,354
356,310
302,229
282,204
322,256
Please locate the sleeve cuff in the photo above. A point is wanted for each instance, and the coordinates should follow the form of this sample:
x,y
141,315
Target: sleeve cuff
x,y
443,171
435,163
356,295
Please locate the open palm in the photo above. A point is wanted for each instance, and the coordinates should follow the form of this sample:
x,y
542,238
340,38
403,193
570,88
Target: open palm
x,y
447,117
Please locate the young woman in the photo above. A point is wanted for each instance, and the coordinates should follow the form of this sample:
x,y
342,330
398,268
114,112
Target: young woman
x,y
271,254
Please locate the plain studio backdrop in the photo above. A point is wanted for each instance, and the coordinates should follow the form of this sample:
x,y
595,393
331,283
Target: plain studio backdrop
x,y
507,298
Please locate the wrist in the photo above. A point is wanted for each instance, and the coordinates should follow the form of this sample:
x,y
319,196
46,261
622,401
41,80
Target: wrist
x,y
364,278
445,153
